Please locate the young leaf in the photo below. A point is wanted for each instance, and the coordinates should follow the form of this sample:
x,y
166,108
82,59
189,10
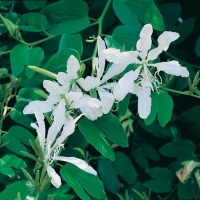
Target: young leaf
x,y
22,55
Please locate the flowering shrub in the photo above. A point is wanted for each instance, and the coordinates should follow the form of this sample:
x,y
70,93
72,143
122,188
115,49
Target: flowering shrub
x,y
76,108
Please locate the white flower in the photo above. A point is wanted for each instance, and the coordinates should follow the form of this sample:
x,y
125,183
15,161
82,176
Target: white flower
x,y
68,80
89,82
52,144
141,82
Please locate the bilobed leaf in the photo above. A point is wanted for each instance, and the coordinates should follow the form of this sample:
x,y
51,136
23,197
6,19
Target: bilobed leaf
x,y
89,182
160,173
140,158
71,41
95,137
179,149
165,108
6,169
14,161
108,175
191,115
11,191
66,17
33,22
158,186
145,10
22,55
71,181
124,167
110,126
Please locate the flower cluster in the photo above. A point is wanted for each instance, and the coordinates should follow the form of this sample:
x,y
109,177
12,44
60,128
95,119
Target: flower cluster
x,y
73,96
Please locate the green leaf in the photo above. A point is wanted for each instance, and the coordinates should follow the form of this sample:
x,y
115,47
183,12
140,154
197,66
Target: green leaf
x,y
140,158
123,105
108,175
22,134
66,17
14,161
125,35
149,151
58,62
22,55
184,29
197,47
124,168
89,182
71,41
6,169
154,108
110,126
71,181
95,137
33,22
160,173
170,12
191,115
18,117
188,190
28,94
165,108
14,144
33,5
11,191
145,10
179,149
158,186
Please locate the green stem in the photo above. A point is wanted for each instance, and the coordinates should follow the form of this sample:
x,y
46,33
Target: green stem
x,y
170,193
99,22
183,93
5,52
94,158
37,195
43,40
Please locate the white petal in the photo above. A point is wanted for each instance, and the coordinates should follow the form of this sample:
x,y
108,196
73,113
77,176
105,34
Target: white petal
x,y
115,69
115,56
45,106
125,84
89,82
59,119
79,163
65,80
55,178
40,128
144,102
101,46
172,67
73,96
68,129
54,89
164,41
144,43
72,67
107,100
